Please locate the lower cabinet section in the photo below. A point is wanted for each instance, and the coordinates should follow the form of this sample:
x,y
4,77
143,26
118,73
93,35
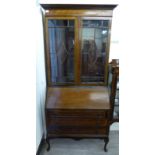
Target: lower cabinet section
x,y
61,124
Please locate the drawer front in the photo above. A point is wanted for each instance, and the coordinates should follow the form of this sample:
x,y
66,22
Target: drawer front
x,y
77,130
77,121
58,129
80,113
72,121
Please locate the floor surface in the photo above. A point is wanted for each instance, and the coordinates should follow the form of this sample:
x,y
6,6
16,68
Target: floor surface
x,y
68,146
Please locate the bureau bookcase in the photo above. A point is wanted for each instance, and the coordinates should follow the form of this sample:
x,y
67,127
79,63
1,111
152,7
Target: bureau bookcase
x,y
77,41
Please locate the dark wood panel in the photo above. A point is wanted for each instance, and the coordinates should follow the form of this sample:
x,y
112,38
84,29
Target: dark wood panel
x,y
76,130
78,112
75,121
102,131
78,13
79,6
78,98
72,121
72,129
103,123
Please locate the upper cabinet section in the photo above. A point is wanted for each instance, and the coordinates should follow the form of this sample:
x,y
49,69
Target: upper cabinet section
x,y
77,41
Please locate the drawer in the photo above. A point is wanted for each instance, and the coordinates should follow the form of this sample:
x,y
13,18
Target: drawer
x,y
72,130
58,129
77,121
80,113
72,121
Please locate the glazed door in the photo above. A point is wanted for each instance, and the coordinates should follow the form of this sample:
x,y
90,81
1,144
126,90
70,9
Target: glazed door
x,y
94,49
61,50
77,50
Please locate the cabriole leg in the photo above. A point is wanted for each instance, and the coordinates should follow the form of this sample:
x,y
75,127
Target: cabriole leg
x,y
106,140
48,144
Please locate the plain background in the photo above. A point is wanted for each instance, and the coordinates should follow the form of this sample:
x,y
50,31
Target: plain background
x,y
18,77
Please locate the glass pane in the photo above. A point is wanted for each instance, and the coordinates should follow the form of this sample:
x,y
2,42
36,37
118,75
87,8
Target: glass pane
x,y
60,23
94,47
61,42
95,23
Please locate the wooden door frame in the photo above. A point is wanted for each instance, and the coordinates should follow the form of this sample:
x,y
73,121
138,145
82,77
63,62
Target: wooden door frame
x,y
47,51
77,50
107,49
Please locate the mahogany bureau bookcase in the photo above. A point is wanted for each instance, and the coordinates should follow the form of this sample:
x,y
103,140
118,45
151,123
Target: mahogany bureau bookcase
x,y
77,41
